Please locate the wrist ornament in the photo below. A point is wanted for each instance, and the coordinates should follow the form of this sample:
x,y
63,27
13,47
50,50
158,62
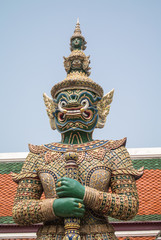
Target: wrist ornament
x,y
47,209
96,200
91,197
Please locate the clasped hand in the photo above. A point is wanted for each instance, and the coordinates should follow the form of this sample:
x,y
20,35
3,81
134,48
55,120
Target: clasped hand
x,y
70,202
67,187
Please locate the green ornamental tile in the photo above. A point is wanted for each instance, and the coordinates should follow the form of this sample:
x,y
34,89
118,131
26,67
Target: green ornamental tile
x,y
6,168
137,218
147,163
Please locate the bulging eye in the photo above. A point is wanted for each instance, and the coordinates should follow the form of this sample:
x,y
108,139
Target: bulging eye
x,y
84,102
63,104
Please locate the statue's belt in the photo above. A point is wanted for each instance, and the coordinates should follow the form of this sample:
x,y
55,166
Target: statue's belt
x,y
85,229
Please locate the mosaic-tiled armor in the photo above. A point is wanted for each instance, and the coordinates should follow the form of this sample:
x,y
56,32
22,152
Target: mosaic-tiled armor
x,y
104,168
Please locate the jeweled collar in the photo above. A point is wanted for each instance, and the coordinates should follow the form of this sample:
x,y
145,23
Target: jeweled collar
x,y
78,147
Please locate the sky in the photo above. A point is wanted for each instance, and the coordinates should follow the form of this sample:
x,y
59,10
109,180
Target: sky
x,y
124,44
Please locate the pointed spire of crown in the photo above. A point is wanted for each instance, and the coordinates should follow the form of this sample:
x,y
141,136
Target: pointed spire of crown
x,y
77,68
77,60
77,30
77,41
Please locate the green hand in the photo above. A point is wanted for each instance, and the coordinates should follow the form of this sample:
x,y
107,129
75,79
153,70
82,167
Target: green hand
x,y
69,207
67,187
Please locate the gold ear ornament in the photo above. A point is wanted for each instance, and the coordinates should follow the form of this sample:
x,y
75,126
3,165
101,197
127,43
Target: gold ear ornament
x,y
50,108
103,107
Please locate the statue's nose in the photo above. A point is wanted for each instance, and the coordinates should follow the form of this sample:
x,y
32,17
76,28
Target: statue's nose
x,y
72,103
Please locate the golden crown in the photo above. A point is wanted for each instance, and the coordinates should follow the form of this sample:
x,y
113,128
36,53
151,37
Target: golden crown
x,y
77,68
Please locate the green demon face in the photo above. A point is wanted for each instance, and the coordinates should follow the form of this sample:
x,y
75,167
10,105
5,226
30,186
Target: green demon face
x,y
76,111
77,43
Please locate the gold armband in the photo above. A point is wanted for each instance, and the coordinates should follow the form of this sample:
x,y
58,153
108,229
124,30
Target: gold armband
x,y
92,198
47,209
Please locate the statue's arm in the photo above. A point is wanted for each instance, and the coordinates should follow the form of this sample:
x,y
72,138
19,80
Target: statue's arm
x,y
122,203
28,208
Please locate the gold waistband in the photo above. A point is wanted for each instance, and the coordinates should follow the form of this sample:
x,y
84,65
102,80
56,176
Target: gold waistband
x,y
86,229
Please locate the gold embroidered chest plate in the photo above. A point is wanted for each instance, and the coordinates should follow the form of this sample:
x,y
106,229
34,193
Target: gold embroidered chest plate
x,y
92,168
94,163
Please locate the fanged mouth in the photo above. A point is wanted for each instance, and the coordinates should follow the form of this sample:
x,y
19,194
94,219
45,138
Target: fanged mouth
x,y
73,111
77,111
87,114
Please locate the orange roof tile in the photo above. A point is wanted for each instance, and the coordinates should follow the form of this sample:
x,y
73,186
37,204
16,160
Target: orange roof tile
x,y
8,190
149,190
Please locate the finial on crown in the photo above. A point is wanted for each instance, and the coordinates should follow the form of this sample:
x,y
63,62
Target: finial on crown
x,y
77,68
77,41
77,60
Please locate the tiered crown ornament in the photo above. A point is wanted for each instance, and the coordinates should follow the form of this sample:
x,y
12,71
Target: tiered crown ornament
x,y
77,68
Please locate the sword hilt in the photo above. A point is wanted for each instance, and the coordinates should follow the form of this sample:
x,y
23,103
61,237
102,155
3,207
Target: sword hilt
x,y
71,225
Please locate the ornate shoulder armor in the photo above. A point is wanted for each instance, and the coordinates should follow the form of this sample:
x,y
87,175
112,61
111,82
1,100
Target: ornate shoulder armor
x,y
30,166
37,149
121,163
116,144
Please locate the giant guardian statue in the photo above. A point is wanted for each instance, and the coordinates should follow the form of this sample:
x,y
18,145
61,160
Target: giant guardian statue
x,y
84,180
